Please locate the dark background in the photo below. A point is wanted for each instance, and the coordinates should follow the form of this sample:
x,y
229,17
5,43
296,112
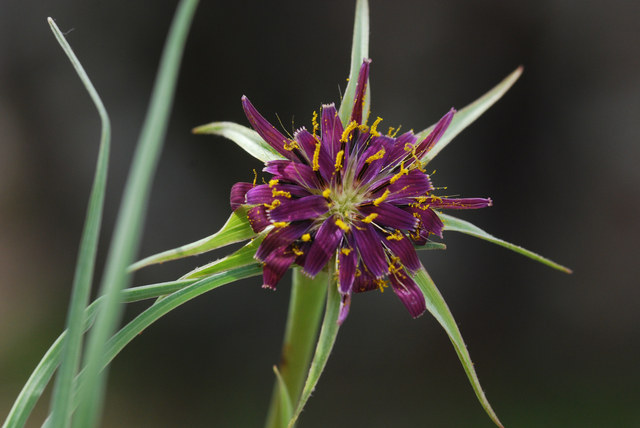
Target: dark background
x,y
558,155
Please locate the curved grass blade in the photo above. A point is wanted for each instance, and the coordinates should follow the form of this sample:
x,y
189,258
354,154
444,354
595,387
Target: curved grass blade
x,y
62,391
469,114
439,309
236,229
359,51
128,228
41,375
457,225
328,334
246,138
284,399
242,257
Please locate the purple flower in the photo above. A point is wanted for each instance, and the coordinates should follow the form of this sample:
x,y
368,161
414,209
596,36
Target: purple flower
x,y
351,195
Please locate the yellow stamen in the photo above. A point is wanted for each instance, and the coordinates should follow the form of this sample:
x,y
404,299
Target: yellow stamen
x,y
255,177
381,284
273,182
297,251
274,204
345,251
306,237
342,225
326,192
378,155
275,192
363,128
403,171
291,145
346,134
339,157
316,156
370,218
396,236
381,199
280,224
314,122
373,129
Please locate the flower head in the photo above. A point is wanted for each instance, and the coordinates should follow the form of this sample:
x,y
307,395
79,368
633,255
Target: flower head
x,y
350,194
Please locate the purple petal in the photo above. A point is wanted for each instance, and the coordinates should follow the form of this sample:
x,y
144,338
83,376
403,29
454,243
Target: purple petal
x,y
361,89
266,130
309,207
390,215
258,218
275,266
458,203
345,304
331,129
295,172
365,171
398,151
238,192
370,249
347,261
403,190
281,237
403,249
435,135
365,281
309,143
429,223
408,292
324,246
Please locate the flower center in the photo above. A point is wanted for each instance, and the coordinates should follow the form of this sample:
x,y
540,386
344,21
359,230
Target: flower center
x,y
344,202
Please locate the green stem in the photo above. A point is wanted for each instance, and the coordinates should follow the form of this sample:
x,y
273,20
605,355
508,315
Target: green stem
x,y
303,322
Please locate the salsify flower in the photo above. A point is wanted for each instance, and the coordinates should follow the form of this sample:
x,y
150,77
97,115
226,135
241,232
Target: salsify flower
x,y
347,195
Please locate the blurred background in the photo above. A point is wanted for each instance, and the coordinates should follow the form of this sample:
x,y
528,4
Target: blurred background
x,y
558,155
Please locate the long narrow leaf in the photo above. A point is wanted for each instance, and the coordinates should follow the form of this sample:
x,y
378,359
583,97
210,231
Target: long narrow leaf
x,y
469,114
62,391
41,375
236,229
359,51
246,138
328,334
128,229
439,309
457,225
284,399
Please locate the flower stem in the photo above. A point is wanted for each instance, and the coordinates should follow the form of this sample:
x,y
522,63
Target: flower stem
x,y
303,321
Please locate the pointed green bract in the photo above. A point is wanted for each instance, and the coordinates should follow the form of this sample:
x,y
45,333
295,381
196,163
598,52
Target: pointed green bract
x,y
359,51
286,408
469,114
246,138
431,246
439,309
328,334
236,229
457,225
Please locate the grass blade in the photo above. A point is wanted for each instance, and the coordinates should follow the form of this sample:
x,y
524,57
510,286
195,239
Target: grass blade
x,y
359,51
62,391
128,229
439,309
457,225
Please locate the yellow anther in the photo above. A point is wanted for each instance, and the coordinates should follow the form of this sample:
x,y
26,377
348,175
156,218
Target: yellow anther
x,y
280,224
396,236
370,218
273,204
346,134
306,237
255,177
339,158
275,192
403,171
291,145
381,199
316,157
378,155
346,251
314,122
273,182
374,126
363,128
381,284
326,192
297,251
342,225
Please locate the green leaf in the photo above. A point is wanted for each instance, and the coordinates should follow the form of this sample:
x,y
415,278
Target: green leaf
x,y
457,225
129,225
72,345
328,334
359,51
236,229
286,408
431,246
439,309
469,114
246,138
242,257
